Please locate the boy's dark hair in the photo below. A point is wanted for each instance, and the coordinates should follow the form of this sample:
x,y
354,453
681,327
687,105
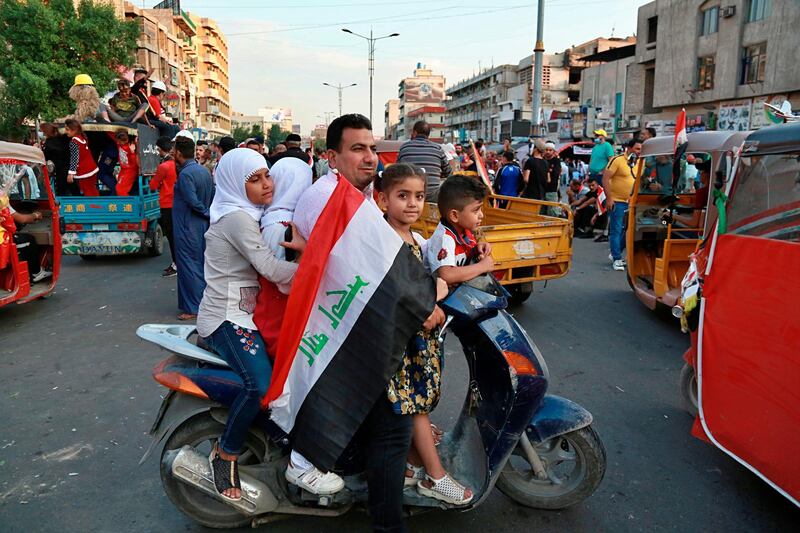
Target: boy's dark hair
x,y
201,142
165,143
355,121
478,145
73,124
226,144
508,155
633,142
185,147
394,174
651,130
459,190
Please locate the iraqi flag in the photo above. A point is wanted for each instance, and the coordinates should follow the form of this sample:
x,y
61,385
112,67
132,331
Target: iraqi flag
x,y
481,166
357,298
601,200
679,147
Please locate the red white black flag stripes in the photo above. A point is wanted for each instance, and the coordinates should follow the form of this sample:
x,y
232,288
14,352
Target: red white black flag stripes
x,y
357,298
679,147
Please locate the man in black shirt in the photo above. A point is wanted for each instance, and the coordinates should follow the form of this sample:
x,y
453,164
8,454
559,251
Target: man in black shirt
x,y
534,173
551,193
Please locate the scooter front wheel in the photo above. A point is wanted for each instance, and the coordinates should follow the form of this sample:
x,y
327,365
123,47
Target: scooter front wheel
x,y
574,464
201,432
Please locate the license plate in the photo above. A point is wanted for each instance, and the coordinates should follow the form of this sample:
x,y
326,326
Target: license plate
x,y
100,227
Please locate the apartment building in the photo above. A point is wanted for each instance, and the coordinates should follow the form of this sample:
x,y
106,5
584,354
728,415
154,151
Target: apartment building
x,y
164,45
473,104
720,60
212,81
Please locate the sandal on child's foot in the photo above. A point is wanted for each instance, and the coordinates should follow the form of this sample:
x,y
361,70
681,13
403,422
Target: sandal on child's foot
x,y
417,475
224,474
445,489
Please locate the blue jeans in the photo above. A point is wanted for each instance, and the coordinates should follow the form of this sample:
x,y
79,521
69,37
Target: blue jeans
x,y
245,352
616,232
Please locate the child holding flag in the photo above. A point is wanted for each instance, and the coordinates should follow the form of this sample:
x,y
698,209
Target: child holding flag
x,y
415,388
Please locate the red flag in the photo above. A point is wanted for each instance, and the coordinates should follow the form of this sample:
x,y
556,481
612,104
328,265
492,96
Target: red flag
x,y
482,172
679,147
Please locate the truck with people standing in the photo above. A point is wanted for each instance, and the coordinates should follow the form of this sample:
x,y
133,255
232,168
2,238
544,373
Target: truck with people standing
x,y
117,213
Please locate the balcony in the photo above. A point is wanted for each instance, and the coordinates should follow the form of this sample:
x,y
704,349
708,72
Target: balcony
x,y
186,25
212,75
211,42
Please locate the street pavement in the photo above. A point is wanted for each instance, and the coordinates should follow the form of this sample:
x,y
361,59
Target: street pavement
x,y
77,401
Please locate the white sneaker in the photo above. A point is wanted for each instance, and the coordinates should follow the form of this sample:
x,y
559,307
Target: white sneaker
x,y
42,274
611,258
619,264
314,480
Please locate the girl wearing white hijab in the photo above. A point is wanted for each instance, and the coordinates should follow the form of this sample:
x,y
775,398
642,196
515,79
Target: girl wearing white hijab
x,y
291,176
235,257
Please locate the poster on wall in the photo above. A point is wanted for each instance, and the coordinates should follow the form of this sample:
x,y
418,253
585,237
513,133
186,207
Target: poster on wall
x,y
762,116
734,115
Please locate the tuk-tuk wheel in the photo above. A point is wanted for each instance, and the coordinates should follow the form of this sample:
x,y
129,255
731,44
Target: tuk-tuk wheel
x,y
153,245
519,293
688,389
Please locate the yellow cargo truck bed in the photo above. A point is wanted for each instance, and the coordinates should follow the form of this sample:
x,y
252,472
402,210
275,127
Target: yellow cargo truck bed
x,y
527,246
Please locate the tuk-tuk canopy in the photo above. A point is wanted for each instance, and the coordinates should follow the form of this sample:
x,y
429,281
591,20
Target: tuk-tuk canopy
x,y
21,152
108,127
777,139
699,141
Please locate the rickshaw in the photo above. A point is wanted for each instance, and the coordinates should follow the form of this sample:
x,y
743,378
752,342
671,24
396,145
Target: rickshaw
x,y
25,187
527,245
110,224
742,372
665,224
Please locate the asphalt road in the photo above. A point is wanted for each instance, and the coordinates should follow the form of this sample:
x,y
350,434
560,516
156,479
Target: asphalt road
x,y
77,400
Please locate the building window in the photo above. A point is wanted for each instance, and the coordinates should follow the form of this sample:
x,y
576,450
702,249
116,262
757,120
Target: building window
x,y
652,29
759,10
710,21
754,60
705,73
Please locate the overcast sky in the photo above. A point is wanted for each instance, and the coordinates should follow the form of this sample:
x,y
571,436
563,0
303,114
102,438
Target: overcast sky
x,y
281,54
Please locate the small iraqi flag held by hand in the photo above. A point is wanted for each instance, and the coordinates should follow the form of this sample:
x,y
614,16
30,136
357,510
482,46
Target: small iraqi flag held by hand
x,y
679,147
358,296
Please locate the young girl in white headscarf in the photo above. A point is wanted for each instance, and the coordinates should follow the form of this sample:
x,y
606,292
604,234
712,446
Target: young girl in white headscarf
x,y
291,176
235,256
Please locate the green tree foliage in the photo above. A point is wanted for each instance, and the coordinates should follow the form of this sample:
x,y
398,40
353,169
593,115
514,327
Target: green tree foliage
x,y
320,144
45,44
241,134
275,136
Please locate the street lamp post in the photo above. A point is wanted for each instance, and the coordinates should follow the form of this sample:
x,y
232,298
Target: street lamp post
x,y
371,40
340,87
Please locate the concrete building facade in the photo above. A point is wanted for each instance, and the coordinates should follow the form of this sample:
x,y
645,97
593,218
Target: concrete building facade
x,y
213,84
391,118
718,60
434,116
473,104
422,89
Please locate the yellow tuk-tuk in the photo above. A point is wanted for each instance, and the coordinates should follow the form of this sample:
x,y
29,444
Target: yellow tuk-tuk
x,y
666,222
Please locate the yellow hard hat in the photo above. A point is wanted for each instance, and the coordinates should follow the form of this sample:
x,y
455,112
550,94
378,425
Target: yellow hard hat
x,y
83,79
601,132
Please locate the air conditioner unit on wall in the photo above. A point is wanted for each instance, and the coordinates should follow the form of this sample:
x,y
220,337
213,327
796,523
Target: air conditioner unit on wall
x,y
728,12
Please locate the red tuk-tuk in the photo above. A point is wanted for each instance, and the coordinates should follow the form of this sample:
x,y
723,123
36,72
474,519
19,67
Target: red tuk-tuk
x,y
25,188
742,377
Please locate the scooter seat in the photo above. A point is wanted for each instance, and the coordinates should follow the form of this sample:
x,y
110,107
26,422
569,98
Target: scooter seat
x,y
175,338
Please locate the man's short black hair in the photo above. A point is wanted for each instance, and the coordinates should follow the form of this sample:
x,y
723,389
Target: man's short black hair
x,y
652,131
422,129
227,143
630,144
165,143
458,191
354,121
508,155
201,142
185,147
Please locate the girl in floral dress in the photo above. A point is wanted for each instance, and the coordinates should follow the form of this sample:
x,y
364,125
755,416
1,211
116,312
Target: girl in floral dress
x,y
415,388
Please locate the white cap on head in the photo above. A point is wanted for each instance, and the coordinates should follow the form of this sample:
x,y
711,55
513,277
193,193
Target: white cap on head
x,y
184,133
160,85
550,144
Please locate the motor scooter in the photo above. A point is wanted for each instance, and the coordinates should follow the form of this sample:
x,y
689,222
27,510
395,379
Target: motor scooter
x,y
539,449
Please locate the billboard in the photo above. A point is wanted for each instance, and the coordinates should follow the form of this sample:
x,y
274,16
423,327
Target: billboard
x,y
760,116
734,115
423,91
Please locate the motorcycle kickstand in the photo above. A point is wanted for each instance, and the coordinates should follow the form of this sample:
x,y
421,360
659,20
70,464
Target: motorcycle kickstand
x,y
533,457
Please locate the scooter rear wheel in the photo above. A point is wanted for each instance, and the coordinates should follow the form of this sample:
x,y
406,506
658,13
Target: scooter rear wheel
x,y
575,464
688,389
200,432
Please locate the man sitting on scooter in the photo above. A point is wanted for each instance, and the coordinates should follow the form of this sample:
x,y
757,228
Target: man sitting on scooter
x,y
352,152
